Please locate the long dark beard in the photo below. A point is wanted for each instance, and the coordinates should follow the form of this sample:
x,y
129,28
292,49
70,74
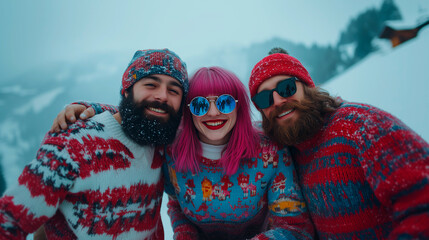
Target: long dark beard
x,y
311,111
144,129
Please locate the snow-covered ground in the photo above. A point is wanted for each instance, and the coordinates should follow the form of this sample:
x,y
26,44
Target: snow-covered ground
x,y
394,80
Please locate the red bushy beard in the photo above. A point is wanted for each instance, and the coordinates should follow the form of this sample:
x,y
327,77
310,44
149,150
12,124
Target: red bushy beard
x,y
311,113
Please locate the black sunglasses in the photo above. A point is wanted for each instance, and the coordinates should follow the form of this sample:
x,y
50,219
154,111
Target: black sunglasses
x,y
284,88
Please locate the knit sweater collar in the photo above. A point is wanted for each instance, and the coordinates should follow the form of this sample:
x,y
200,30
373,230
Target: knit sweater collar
x,y
213,152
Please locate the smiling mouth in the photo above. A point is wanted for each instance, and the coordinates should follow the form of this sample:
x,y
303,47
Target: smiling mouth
x,y
285,113
157,110
214,125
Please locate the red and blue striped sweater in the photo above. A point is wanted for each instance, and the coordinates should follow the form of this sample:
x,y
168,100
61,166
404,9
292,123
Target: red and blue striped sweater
x,y
88,182
365,175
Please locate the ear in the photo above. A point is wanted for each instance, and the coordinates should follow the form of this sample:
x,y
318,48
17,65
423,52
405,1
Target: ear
x,y
126,93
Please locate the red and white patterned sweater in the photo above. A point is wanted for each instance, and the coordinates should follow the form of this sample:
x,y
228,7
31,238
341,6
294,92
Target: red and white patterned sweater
x,y
88,182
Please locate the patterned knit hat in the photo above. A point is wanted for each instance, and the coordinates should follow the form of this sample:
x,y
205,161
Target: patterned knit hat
x,y
155,61
277,64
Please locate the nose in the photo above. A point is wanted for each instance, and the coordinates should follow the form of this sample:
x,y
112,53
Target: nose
x,y
277,99
161,94
213,111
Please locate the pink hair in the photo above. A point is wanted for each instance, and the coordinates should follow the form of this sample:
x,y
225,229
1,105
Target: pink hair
x,y
187,150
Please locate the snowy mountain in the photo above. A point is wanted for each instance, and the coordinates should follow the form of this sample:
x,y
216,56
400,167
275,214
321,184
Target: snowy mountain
x,y
30,102
394,80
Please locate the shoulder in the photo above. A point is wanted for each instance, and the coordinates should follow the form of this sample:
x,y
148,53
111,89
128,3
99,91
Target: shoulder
x,y
59,153
267,146
167,153
365,115
361,110
367,124
257,125
265,141
75,131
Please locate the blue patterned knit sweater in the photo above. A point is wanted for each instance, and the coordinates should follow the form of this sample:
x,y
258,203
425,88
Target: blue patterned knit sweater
x,y
212,205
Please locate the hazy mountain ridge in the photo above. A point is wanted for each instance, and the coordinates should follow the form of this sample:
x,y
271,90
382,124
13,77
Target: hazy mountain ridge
x,y
31,101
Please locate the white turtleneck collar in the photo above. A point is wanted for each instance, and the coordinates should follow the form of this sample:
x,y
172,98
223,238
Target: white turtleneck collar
x,y
213,152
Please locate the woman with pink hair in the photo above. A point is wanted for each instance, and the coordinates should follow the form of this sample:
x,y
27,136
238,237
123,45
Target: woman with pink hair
x,y
224,178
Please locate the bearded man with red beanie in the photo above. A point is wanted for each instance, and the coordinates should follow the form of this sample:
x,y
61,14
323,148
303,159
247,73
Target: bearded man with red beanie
x,y
363,173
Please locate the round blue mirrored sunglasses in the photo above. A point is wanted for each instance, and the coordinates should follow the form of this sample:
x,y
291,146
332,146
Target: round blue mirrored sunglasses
x,y
199,106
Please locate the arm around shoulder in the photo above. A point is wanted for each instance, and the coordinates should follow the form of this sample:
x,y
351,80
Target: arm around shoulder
x,y
99,107
288,217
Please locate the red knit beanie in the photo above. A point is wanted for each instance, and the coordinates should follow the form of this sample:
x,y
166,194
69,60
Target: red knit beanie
x,y
277,64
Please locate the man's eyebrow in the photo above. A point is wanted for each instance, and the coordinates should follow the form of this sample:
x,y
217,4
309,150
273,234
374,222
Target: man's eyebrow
x,y
153,78
174,82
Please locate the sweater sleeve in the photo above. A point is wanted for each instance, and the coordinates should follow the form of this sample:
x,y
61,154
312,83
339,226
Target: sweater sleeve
x,y
395,161
288,217
41,187
99,107
183,229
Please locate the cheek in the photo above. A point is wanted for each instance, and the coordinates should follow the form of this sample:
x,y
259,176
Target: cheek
x,y
197,123
299,95
266,112
138,96
233,118
139,93
176,103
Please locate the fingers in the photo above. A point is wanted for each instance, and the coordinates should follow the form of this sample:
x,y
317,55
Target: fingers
x,y
59,122
69,115
73,111
69,118
61,118
89,112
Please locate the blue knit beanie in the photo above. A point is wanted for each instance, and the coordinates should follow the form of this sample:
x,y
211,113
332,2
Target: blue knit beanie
x,y
155,61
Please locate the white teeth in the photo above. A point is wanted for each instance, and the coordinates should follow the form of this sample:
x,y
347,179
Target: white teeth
x,y
214,123
156,110
285,113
